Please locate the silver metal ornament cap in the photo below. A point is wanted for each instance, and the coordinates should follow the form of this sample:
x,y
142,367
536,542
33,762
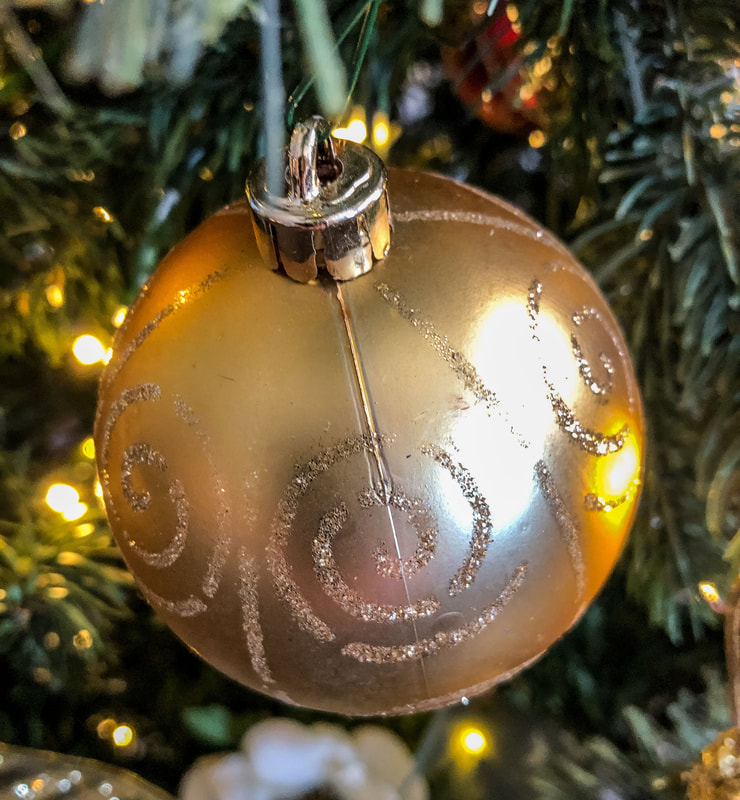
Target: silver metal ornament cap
x,y
334,214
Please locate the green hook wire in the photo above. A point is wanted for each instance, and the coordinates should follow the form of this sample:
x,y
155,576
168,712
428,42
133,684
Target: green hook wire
x,y
367,11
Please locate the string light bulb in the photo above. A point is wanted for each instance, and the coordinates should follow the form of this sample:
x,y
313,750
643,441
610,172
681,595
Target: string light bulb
x,y
709,592
119,316
469,742
473,741
123,735
55,295
381,129
355,129
65,500
103,214
712,597
87,349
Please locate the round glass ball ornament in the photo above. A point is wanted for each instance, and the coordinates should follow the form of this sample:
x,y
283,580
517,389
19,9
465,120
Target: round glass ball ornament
x,y
378,495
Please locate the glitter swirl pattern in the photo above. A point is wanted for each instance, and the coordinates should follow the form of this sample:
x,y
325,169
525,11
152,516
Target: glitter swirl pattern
x,y
142,453
595,502
482,527
222,547
600,388
384,654
139,393
420,518
285,586
593,442
348,599
488,220
251,628
567,524
191,606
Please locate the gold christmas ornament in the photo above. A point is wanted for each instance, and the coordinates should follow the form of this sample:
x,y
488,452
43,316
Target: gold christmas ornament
x,y
378,495
717,776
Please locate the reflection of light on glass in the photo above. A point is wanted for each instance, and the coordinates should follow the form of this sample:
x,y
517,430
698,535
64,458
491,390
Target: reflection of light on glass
x,y
616,478
618,470
88,350
504,358
509,360
616,481
123,735
98,490
355,130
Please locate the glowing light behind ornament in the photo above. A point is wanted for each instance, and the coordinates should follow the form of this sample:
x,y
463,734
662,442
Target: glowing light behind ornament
x,y
473,741
119,316
355,130
65,500
709,592
87,349
381,129
123,736
469,742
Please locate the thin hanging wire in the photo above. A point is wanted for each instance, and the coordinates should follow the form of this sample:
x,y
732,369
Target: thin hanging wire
x,y
363,43
273,92
365,11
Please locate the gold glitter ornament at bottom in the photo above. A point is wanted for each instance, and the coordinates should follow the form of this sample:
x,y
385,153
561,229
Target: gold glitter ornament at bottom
x,y
717,776
375,496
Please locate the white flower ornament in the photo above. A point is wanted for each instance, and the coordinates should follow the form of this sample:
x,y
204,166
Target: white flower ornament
x,y
283,760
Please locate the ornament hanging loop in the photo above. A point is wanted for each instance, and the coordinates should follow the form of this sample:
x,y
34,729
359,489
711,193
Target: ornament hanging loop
x,y
312,159
334,214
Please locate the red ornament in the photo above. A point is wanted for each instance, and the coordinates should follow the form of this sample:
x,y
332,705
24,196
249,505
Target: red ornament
x,y
488,77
